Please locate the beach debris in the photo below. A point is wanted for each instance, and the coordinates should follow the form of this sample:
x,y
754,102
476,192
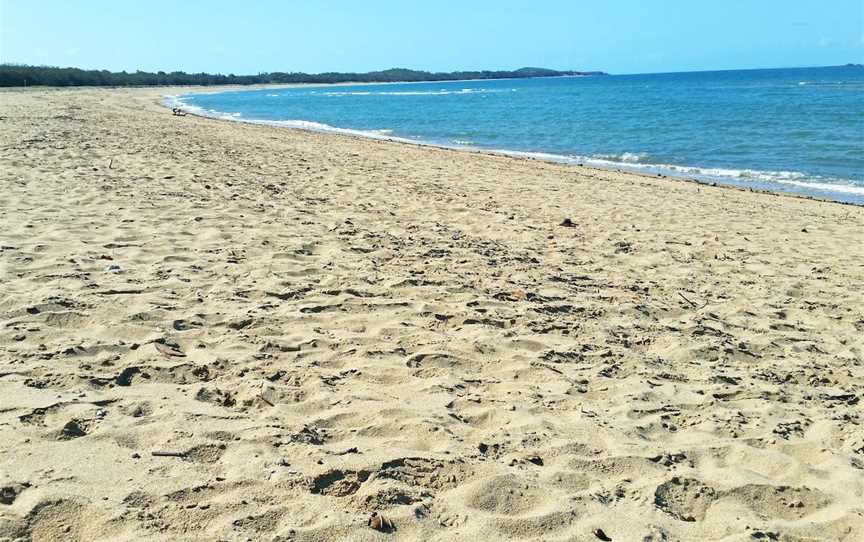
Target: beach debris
x,y
568,223
240,324
169,348
122,291
535,459
589,413
601,535
351,450
269,394
162,453
624,247
181,325
113,245
519,295
380,523
113,269
10,492
73,429
692,304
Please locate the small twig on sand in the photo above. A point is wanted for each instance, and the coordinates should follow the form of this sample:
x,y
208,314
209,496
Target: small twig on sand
x,y
553,369
692,304
750,353
589,413
352,450
168,454
110,163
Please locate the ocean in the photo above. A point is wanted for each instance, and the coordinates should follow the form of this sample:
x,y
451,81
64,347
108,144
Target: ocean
x,y
793,130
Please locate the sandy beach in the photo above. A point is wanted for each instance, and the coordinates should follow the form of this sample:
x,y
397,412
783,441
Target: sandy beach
x,y
224,331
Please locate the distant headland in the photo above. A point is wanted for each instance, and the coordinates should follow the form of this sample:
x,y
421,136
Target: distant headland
x,y
20,75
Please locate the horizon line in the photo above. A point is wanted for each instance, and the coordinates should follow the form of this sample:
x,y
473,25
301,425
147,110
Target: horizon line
x,y
848,64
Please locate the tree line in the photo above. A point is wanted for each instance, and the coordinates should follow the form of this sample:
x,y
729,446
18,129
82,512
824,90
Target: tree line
x,y
21,75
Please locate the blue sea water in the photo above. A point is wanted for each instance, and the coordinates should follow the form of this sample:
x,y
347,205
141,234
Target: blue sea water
x,y
797,130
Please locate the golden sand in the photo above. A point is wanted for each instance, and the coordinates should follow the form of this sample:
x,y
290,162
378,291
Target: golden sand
x,y
310,328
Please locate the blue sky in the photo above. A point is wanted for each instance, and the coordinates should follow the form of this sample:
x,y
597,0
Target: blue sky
x,y
619,36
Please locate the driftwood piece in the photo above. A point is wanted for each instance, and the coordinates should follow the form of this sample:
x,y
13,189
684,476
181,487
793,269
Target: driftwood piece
x,y
168,454
380,523
169,350
692,304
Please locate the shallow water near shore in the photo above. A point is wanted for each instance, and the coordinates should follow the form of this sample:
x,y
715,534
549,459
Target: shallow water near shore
x,y
793,130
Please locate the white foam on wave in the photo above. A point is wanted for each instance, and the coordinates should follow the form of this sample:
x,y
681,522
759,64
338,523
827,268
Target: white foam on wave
x,y
385,134
380,134
630,161
345,93
441,92
321,127
843,188
636,162
791,178
178,102
627,157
